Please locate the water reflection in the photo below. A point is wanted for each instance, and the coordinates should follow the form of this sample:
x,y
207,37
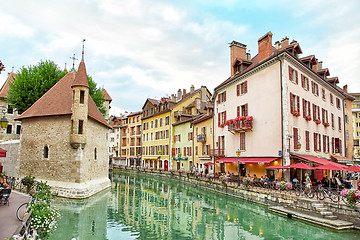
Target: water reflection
x,y
146,208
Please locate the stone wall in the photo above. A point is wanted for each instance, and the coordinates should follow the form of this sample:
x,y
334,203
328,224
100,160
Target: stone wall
x,y
10,163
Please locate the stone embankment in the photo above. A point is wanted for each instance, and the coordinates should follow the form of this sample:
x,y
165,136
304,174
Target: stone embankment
x,y
338,216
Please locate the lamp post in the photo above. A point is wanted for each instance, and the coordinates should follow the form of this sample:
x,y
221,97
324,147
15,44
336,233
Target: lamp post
x,y
238,152
3,121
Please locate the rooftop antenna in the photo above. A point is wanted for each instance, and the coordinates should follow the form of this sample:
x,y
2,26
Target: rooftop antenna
x,y
73,58
82,57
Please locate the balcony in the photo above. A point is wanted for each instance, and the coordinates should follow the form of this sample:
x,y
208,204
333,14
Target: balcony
x,y
201,138
239,126
216,153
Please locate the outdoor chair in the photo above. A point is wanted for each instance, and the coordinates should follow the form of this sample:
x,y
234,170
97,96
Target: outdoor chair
x,y
5,194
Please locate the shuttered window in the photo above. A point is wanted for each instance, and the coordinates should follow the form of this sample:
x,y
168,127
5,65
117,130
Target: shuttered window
x,y
307,140
242,141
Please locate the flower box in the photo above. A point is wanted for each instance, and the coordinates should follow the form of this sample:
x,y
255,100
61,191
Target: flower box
x,y
296,113
308,118
317,121
326,124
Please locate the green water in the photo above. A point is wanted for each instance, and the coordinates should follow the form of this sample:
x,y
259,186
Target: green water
x,y
139,207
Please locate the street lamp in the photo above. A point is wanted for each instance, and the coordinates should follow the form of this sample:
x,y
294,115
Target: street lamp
x,y
238,152
3,120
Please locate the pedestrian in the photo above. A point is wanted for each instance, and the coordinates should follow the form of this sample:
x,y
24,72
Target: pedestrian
x,y
307,181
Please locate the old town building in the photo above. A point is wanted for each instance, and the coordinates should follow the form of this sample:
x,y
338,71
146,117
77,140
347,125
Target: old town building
x,y
277,108
64,139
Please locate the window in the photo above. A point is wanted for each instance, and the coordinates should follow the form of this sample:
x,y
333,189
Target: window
x,y
82,96
177,138
331,99
358,124
325,116
241,88
152,124
137,119
112,140
332,120
190,136
325,144
221,119
18,129
315,88
305,82
95,154
337,143
156,123
307,140
242,141
338,103
306,109
293,75
347,119
9,129
316,113
166,120
10,109
339,121
294,104
196,150
160,122
317,142
222,97
323,94
46,152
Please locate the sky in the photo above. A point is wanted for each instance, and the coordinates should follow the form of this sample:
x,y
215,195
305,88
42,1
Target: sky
x,y
142,49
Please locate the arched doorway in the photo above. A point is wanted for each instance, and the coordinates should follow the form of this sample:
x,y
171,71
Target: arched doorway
x,y
166,165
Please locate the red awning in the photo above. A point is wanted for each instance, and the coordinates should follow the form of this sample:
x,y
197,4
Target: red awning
x,y
209,163
320,161
301,166
248,160
277,167
2,152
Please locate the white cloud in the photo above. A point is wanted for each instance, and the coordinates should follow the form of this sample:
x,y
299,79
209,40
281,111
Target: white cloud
x,y
12,27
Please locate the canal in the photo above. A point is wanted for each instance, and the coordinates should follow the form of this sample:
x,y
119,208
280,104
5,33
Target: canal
x,y
142,207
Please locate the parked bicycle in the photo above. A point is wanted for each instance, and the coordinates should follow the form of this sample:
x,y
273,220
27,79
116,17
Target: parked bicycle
x,y
302,190
23,210
322,193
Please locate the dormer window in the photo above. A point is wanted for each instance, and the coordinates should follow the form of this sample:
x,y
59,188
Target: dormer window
x,y
82,96
237,68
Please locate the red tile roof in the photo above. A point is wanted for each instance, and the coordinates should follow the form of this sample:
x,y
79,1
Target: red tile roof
x,y
5,88
106,95
57,101
81,76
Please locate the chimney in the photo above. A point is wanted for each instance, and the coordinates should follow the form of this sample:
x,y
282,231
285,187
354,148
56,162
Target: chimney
x,y
293,41
265,46
319,65
248,56
203,94
192,88
184,92
277,45
237,50
284,42
345,88
179,94
173,97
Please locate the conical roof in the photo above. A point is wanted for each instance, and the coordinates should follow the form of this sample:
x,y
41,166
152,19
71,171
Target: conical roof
x,y
5,88
106,95
81,76
57,101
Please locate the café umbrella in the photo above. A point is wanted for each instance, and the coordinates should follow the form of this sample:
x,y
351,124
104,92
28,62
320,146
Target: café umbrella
x,y
331,167
301,166
353,169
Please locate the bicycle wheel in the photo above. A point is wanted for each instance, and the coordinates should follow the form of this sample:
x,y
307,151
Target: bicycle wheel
x,y
297,191
310,193
335,197
21,212
320,194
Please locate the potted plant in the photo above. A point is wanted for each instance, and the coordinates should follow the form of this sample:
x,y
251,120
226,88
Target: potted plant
x,y
296,113
326,124
352,196
308,117
28,181
247,181
317,121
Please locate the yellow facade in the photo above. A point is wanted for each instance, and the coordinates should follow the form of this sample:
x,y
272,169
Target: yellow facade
x,y
356,124
156,139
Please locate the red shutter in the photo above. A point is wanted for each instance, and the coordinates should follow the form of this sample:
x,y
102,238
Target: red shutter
x,y
340,146
296,75
295,136
174,138
238,90
238,111
218,142
302,81
307,139
298,103
218,119
332,145
324,143
245,87
184,151
246,109
242,141
317,90
173,151
328,147
290,75
315,149
291,102
190,151
309,109
224,116
225,96
314,114
319,142
323,115
307,84
304,108
179,137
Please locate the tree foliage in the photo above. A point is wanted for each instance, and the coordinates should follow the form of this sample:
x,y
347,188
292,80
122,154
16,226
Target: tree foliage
x,y
34,81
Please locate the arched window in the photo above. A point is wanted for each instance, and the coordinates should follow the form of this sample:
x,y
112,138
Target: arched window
x,y
95,154
46,152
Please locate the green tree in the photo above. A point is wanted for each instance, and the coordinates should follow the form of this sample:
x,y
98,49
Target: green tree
x,y
33,81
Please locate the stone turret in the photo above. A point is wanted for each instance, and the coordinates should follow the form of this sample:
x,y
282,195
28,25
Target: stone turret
x,y
79,108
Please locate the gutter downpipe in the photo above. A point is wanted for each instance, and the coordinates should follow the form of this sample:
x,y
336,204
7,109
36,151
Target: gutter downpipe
x,y
284,134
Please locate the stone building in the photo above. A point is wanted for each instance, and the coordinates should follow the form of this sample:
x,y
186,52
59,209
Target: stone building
x,y
64,139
